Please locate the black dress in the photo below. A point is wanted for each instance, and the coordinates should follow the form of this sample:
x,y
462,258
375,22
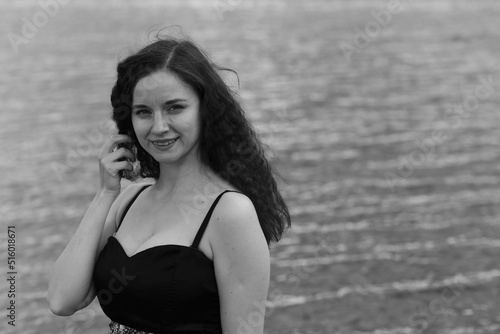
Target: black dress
x,y
163,289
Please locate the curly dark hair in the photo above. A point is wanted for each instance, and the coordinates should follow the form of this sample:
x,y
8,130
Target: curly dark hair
x,y
228,143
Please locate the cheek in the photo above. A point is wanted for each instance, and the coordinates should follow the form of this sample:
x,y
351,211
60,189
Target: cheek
x,y
197,122
138,126
190,124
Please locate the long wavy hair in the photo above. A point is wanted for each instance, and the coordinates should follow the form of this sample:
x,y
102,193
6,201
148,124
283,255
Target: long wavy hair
x,y
228,143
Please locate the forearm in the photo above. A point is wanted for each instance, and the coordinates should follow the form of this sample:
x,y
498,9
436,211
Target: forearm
x,y
72,273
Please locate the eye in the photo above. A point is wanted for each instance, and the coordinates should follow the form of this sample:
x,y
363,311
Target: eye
x,y
176,108
142,112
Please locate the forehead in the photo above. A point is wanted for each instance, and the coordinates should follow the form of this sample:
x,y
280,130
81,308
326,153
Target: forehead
x,y
159,86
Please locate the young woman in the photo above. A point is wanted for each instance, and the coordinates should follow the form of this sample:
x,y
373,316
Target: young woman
x,y
188,253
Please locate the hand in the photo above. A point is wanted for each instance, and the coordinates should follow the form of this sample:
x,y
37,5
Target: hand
x,y
109,166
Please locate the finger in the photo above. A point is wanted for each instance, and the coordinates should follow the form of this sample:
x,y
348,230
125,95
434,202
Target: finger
x,y
119,154
122,165
112,141
128,154
116,167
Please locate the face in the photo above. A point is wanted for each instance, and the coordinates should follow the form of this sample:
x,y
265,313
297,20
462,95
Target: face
x,y
166,118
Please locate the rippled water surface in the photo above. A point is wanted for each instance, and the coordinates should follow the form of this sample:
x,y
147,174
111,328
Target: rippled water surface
x,y
392,183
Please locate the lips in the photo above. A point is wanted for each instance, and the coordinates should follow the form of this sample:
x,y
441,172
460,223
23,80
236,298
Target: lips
x,y
164,142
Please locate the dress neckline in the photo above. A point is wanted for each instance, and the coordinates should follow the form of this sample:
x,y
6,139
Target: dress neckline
x,y
197,238
156,247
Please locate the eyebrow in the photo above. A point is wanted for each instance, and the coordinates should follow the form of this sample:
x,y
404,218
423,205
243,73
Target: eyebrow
x,y
166,103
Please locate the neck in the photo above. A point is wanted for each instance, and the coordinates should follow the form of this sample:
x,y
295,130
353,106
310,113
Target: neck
x,y
180,178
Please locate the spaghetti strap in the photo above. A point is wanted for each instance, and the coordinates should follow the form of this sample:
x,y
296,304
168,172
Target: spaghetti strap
x,y
130,204
204,224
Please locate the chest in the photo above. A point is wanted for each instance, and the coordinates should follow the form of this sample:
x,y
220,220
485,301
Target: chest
x,y
146,226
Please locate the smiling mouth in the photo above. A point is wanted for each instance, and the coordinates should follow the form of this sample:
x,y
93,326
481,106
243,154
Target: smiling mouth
x,y
164,143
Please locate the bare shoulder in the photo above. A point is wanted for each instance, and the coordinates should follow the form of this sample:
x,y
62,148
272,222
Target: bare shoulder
x,y
236,226
236,204
126,195
134,187
130,190
240,252
234,210
116,211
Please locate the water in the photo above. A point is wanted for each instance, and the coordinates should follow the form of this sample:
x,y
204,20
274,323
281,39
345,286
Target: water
x,y
375,242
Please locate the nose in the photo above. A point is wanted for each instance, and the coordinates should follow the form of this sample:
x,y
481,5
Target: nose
x,y
161,123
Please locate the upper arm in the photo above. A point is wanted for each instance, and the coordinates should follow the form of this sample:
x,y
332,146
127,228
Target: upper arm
x,y
242,264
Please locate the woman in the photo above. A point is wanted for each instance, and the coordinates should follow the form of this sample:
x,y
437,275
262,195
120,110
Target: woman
x,y
190,252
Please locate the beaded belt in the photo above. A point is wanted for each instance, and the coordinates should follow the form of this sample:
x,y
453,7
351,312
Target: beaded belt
x,y
116,328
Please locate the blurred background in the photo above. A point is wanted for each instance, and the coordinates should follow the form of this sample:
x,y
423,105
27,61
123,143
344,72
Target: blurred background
x,y
382,117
